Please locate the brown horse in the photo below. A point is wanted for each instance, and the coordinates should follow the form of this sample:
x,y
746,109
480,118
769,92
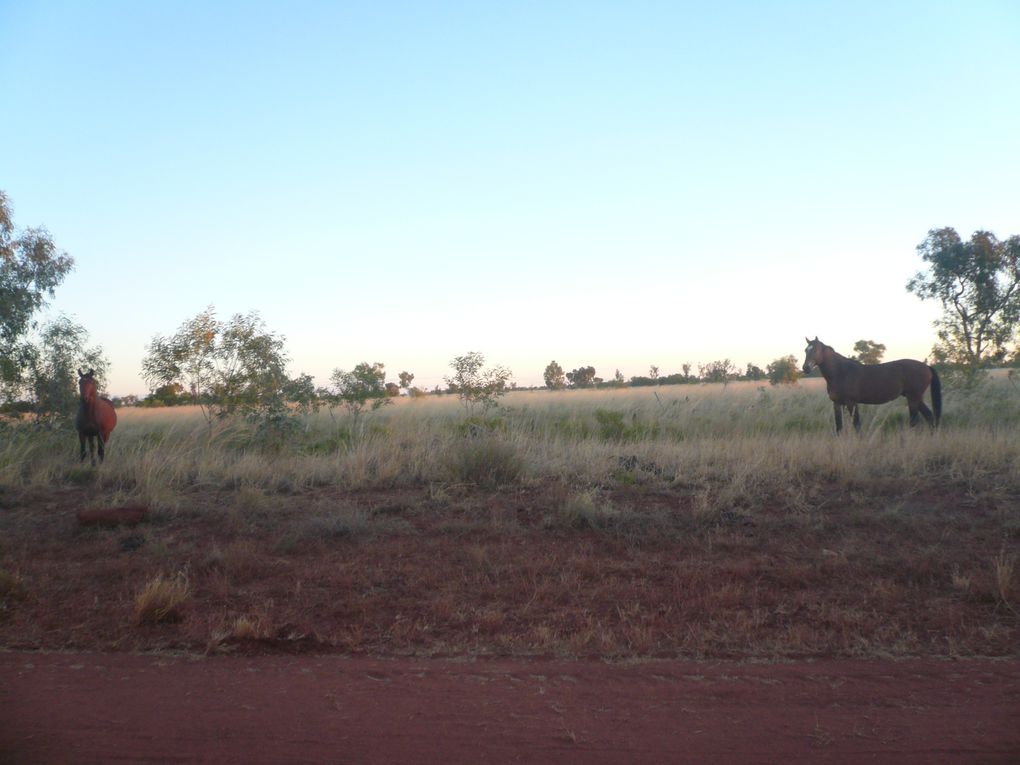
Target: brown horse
x,y
96,416
849,383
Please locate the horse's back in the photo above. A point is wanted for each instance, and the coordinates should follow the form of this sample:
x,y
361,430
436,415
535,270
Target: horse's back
x,y
879,383
915,376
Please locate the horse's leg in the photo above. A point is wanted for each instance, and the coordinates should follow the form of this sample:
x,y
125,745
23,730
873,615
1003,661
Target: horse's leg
x,y
913,407
926,413
102,447
856,417
81,444
92,450
837,410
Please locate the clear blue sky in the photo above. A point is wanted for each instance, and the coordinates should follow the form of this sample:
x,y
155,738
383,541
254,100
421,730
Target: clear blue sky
x,y
613,184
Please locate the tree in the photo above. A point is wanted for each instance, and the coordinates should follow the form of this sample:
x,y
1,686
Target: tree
x,y
52,369
31,268
171,394
868,351
754,372
783,371
717,371
475,385
978,285
301,394
653,372
406,378
232,367
363,386
553,375
584,377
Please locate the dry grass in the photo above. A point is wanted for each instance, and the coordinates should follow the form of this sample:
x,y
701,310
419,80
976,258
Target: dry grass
x,y
733,442
1003,566
162,600
693,521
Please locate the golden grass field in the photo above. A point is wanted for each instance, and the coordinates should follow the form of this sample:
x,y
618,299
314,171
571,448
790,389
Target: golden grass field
x,y
696,520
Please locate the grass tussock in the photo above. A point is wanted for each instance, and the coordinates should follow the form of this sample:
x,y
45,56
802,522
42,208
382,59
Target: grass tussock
x,y
487,461
585,510
162,600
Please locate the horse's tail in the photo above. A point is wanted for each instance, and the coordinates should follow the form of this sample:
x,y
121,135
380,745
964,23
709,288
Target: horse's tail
x,y
936,395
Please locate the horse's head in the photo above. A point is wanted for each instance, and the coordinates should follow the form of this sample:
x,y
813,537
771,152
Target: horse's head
x,y
87,387
814,354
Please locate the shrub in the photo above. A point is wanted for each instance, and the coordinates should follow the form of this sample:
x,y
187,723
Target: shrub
x,y
475,385
487,461
783,371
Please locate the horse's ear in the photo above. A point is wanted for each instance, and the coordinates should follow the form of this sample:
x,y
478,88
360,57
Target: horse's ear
x,y
816,339
92,373
806,340
80,373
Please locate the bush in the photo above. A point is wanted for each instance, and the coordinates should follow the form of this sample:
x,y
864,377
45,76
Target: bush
x,y
487,461
783,371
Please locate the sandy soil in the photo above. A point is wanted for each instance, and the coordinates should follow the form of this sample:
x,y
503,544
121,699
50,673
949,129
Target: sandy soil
x,y
102,708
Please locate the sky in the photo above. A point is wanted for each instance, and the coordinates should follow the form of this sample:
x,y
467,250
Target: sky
x,y
606,184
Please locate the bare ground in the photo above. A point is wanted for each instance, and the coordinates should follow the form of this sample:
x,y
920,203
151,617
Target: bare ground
x,y
415,625
101,708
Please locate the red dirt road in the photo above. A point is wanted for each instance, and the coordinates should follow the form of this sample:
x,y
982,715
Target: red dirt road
x,y
101,708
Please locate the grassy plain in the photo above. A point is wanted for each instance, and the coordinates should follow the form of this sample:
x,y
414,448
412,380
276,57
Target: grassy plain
x,y
700,521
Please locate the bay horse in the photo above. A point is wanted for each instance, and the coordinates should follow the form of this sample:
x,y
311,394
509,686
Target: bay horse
x,y
849,383
96,416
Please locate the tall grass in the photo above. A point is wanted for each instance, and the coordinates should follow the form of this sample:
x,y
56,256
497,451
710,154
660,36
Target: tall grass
x,y
732,440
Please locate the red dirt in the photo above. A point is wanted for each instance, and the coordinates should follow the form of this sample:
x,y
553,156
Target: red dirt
x,y
484,574
130,515
101,708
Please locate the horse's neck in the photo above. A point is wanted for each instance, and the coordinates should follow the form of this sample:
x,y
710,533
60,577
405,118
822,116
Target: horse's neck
x,y
832,366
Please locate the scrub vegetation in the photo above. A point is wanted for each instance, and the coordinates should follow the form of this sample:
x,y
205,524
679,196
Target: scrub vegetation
x,y
698,520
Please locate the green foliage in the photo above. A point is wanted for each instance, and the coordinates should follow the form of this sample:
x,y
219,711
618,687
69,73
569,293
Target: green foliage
x,y
717,371
783,371
554,378
301,393
171,394
230,368
754,372
613,426
584,377
52,369
406,378
474,385
339,440
978,285
31,268
365,385
868,351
